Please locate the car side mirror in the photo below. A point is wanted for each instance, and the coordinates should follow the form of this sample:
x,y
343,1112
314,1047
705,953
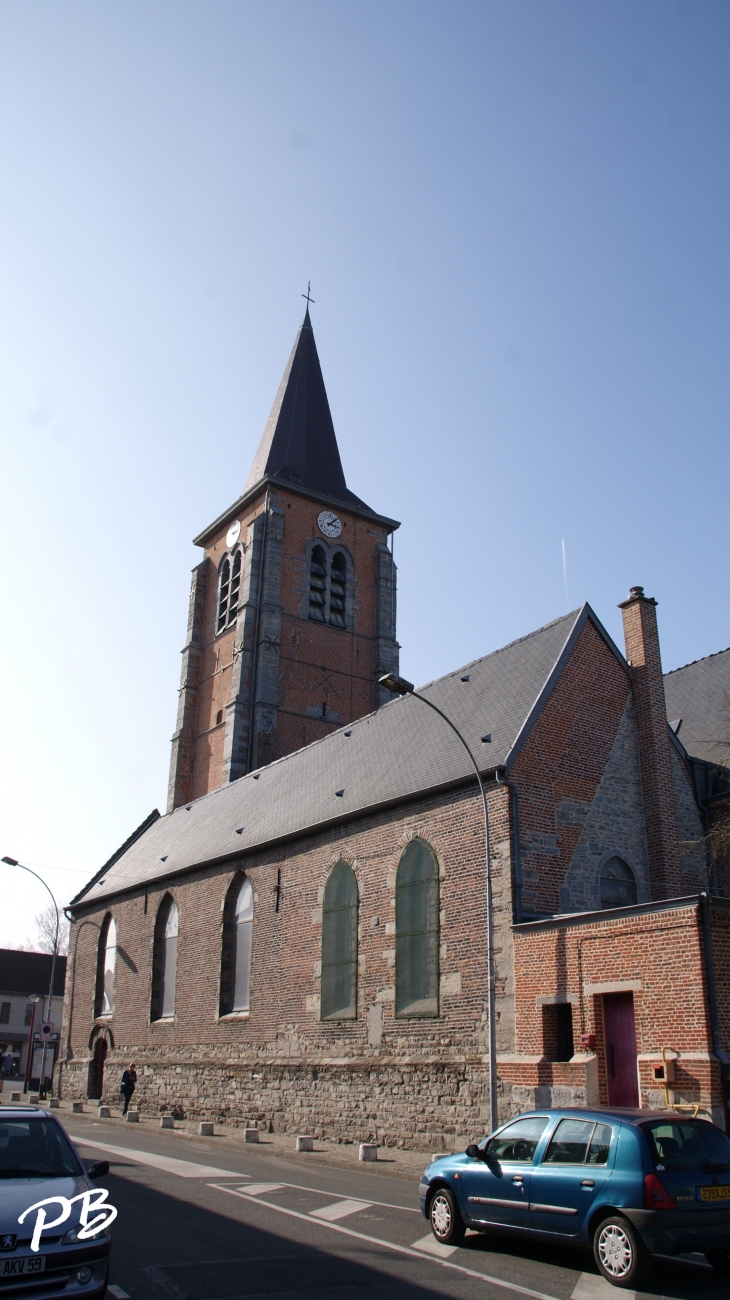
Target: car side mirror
x,y
99,1169
473,1151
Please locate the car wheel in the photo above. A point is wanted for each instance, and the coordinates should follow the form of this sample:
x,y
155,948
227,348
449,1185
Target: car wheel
x,y
446,1222
720,1260
619,1252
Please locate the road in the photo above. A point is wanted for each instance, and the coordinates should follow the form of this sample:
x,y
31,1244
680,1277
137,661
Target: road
x,y
199,1221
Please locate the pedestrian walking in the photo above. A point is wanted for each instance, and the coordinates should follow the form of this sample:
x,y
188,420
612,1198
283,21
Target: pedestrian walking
x,y
129,1083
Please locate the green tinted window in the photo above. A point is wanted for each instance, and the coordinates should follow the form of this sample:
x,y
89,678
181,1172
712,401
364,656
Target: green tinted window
x,y
339,945
417,932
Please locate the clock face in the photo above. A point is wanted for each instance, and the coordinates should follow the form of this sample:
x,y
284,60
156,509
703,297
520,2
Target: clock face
x,y
233,534
328,523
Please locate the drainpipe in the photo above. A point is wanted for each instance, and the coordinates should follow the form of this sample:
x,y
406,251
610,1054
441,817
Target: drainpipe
x,y
255,652
712,999
517,859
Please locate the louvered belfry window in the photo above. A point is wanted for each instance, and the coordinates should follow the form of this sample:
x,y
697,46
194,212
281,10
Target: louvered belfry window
x,y
417,932
338,582
339,945
318,585
229,587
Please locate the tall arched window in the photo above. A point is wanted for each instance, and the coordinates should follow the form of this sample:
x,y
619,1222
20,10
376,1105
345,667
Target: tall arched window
x,y
338,587
318,585
618,884
107,959
237,947
417,932
229,586
164,964
224,588
339,945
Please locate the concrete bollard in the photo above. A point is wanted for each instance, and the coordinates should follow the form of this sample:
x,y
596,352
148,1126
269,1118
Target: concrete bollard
x,y
133,1117
206,1128
305,1143
77,1107
105,1112
33,1098
15,1096
368,1151
166,1121
250,1135
54,1103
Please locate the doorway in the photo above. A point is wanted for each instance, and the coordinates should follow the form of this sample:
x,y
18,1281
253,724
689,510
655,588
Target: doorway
x,y
619,1032
95,1089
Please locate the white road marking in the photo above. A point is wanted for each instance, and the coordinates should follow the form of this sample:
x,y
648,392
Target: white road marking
x,y
183,1168
391,1245
339,1210
260,1189
592,1287
117,1292
433,1247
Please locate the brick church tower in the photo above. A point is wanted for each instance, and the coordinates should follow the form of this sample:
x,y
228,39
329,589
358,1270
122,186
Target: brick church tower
x,y
292,608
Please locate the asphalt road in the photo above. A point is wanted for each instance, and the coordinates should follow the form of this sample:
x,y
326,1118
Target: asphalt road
x,y
198,1221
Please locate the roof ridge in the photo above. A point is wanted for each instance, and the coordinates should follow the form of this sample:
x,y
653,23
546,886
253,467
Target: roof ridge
x,y
508,646
714,655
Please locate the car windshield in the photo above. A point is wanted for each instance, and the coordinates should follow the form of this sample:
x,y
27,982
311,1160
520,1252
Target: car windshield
x,y
35,1148
687,1144
518,1142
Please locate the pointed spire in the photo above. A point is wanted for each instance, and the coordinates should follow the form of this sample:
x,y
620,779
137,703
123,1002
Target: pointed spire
x,y
299,443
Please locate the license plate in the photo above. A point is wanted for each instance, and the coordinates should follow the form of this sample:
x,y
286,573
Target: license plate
x,y
713,1193
22,1265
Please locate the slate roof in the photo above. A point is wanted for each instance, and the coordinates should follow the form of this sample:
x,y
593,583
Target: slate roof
x,y
698,699
30,972
299,444
400,752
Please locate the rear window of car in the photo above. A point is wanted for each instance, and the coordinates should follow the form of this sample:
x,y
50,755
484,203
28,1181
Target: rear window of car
x,y
579,1142
518,1142
687,1144
35,1148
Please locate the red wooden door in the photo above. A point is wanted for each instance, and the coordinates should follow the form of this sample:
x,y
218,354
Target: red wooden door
x,y
619,1034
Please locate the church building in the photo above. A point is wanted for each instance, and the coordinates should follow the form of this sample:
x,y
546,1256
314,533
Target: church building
x,y
300,941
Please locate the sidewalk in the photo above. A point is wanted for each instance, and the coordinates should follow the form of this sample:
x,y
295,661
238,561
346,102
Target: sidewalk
x,y
392,1162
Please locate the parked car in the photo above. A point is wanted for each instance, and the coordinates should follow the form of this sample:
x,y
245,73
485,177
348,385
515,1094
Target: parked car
x,y
628,1183
38,1162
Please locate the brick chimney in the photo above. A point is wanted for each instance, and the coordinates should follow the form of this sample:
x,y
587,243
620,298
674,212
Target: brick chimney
x,y
642,651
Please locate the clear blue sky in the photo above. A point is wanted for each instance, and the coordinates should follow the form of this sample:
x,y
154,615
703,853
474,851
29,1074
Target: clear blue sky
x,y
515,219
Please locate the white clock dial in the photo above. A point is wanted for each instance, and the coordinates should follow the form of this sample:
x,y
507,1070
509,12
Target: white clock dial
x,y
329,524
233,534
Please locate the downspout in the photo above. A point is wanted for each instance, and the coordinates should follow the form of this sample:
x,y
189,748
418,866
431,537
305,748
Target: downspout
x,y
714,1016
517,860
255,653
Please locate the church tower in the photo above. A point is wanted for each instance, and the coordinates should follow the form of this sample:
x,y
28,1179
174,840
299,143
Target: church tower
x,y
292,608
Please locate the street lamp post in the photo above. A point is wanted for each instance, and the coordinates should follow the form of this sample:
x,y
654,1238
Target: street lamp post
x,y
399,686
12,862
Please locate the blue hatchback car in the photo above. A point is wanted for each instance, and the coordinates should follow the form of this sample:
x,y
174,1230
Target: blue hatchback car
x,y
53,1255
626,1183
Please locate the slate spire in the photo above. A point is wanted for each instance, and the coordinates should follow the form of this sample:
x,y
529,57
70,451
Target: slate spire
x,y
299,443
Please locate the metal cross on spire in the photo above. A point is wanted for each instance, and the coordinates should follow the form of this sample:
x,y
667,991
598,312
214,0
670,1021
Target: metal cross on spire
x,y
307,295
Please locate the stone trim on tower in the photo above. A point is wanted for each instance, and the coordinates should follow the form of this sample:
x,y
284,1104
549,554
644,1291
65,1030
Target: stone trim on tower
x,y
181,762
386,646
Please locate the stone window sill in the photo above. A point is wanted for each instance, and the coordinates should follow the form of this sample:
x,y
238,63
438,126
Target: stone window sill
x,y
163,1020
234,1015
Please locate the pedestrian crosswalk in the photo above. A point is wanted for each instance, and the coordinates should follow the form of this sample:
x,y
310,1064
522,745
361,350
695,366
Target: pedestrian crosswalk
x,y
340,1210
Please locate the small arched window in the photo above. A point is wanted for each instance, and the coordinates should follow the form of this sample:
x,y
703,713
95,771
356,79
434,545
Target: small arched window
x,y
164,965
107,960
229,586
338,588
237,947
417,932
318,585
339,945
618,884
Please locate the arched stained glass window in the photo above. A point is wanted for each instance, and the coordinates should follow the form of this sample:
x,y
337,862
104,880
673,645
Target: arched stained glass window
x,y
417,932
237,947
618,884
339,945
105,970
164,962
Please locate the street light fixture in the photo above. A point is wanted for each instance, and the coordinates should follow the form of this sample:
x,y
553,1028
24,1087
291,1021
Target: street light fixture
x,y
399,686
13,862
